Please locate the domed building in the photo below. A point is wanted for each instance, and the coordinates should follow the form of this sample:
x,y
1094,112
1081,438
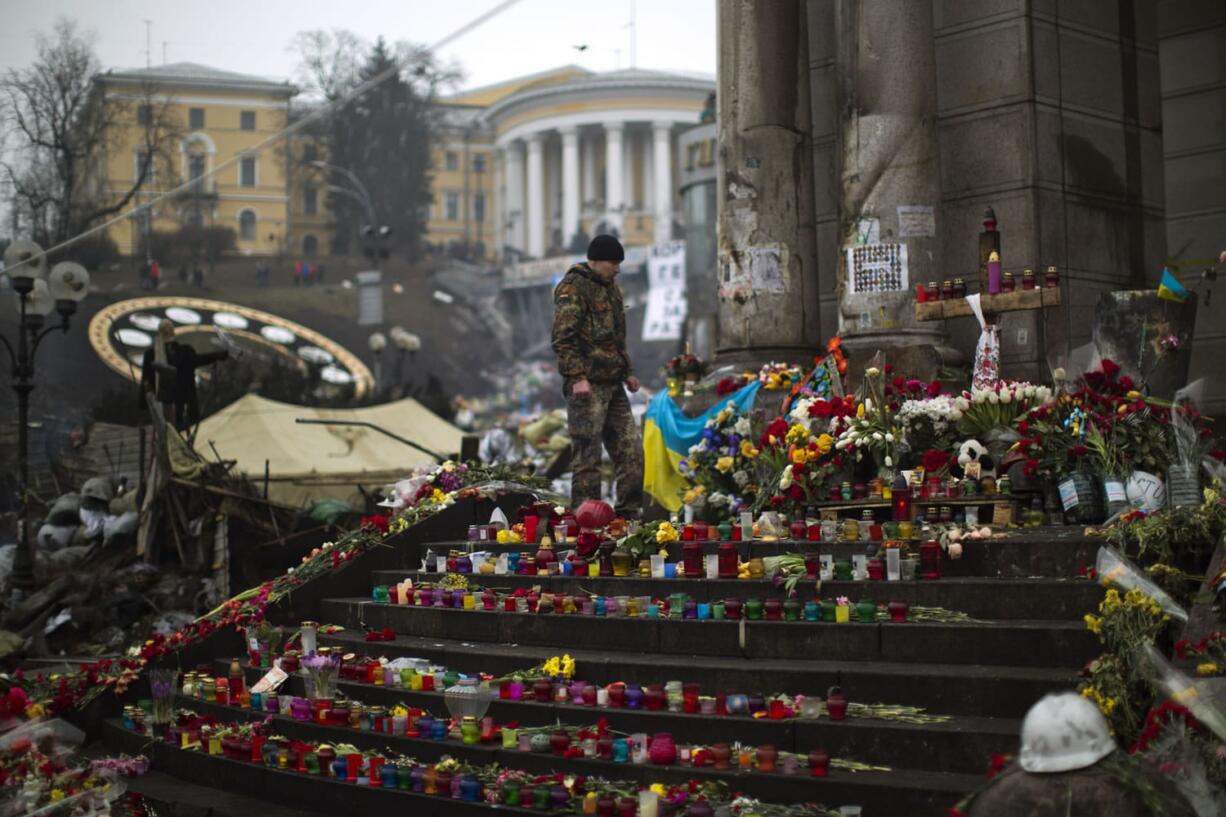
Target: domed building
x,y
534,166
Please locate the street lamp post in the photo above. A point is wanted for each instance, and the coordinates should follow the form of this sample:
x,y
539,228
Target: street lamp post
x,y
406,343
37,296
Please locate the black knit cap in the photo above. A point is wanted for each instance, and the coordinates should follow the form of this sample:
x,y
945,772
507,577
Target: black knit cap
x,y
605,248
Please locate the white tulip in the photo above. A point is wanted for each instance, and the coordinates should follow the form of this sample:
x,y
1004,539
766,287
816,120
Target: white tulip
x,y
1006,396
878,436
993,398
889,438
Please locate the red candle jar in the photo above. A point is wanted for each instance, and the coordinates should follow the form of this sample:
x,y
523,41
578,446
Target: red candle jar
x,y
578,566
687,533
947,291
930,560
836,704
617,695
835,494
662,750
508,604
489,599
798,529
767,755
732,609
773,608
700,531
728,558
691,558
898,611
876,569
819,763
689,698
1051,278
875,532
777,710
589,695
859,491
932,291
655,698
959,288
1028,279
815,532
1008,284
812,565
530,523
736,533
559,741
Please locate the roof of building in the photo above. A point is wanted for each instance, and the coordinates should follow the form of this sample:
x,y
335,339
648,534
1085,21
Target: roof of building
x,y
190,74
626,79
484,95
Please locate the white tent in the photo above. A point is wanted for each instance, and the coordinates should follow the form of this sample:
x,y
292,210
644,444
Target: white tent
x,y
309,462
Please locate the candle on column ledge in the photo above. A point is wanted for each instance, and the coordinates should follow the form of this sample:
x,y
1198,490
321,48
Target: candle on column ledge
x,y
994,276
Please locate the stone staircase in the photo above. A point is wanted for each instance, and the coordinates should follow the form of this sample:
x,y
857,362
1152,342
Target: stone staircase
x,y
1027,639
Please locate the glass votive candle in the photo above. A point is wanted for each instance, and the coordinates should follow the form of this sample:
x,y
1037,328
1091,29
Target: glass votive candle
x,y
704,611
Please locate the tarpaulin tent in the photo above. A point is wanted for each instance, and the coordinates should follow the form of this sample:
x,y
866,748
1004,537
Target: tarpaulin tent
x,y
307,463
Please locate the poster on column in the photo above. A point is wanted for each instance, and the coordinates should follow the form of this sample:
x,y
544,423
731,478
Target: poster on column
x,y
666,307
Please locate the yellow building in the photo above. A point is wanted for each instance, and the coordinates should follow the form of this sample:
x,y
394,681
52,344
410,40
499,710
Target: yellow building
x,y
220,118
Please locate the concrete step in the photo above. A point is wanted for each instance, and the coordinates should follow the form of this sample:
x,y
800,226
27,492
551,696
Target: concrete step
x,y
1030,643
899,791
964,743
954,689
986,598
1053,552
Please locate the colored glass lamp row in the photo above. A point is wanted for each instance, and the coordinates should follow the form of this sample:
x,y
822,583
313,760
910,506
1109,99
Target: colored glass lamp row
x,y
733,609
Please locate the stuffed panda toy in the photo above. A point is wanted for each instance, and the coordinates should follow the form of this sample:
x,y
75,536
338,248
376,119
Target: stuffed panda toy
x,y
974,451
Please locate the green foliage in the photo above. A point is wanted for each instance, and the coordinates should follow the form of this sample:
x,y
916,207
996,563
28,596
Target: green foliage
x,y
1183,537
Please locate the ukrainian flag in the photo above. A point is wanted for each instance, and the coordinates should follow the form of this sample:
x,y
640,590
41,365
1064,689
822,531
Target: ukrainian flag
x,y
1171,289
667,437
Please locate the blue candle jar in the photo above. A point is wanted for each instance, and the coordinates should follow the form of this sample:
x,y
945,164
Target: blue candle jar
x,y
388,775
600,606
440,730
621,751
812,611
340,768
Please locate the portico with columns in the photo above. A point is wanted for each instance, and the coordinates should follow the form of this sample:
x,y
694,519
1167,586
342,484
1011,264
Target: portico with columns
x,y
593,154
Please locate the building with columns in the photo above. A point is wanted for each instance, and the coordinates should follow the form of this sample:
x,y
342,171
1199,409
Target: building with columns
x,y
567,153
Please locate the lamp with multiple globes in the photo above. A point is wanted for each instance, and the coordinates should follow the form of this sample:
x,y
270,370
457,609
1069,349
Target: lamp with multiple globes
x,y
38,294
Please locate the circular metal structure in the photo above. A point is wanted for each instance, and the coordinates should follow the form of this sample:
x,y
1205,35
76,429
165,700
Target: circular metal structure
x,y
122,331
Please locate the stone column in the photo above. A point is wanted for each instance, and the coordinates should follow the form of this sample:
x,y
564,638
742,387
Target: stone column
x,y
570,184
513,206
891,187
767,238
536,196
649,180
662,175
628,189
587,153
614,196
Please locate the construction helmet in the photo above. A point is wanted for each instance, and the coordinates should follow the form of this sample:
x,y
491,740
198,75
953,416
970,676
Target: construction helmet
x,y
1064,732
99,488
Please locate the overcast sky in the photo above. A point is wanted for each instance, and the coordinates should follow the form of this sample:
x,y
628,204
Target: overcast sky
x,y
251,36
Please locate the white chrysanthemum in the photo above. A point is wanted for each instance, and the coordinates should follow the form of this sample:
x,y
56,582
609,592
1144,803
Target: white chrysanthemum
x,y
740,478
742,427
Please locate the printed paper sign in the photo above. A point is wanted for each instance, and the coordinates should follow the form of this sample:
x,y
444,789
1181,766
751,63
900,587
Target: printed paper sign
x,y
875,268
666,306
916,221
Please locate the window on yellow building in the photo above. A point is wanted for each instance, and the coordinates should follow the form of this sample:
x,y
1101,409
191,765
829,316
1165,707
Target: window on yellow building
x,y
246,120
195,118
146,167
478,162
310,200
246,225
144,114
453,206
479,207
310,152
452,160
247,172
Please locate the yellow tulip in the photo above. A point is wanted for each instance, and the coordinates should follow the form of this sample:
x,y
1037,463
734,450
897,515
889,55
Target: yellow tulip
x,y
825,443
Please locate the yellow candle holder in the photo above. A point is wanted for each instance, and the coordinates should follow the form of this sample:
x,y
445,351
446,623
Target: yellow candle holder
x,y
842,614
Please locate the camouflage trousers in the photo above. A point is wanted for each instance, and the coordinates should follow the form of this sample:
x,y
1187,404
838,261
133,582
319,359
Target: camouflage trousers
x,y
605,417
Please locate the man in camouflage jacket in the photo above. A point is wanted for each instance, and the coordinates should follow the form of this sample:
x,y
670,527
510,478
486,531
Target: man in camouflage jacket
x,y
589,338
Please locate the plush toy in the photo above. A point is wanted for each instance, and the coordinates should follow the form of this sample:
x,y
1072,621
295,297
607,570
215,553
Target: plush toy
x,y
973,451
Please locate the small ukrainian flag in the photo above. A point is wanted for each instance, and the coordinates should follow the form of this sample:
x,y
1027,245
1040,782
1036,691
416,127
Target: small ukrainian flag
x,y
1171,289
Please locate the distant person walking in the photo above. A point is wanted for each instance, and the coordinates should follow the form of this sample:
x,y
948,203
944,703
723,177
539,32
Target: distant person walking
x,y
297,273
198,277
155,274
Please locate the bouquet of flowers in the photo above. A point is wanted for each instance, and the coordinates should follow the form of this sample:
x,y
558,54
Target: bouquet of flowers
x,y
873,428
931,423
799,462
779,375
721,467
323,669
685,367
998,407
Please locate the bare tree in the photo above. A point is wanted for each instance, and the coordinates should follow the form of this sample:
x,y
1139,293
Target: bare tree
x,y
329,62
62,126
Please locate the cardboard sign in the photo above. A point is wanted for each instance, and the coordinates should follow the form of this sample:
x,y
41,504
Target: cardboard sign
x,y
271,681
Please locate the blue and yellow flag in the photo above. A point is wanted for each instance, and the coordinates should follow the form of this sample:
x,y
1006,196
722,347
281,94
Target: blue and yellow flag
x,y
667,437
1171,289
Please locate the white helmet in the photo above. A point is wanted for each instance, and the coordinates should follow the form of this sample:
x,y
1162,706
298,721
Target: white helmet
x,y
1064,732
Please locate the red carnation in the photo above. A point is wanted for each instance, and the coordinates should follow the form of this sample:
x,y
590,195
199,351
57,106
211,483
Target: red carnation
x,y
935,461
1023,428
1031,468
821,408
898,382
888,368
934,388
1110,368
914,385
1078,451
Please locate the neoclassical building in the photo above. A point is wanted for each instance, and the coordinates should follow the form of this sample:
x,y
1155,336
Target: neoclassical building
x,y
546,157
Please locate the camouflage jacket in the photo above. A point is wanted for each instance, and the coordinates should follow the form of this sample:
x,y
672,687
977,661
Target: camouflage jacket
x,y
589,328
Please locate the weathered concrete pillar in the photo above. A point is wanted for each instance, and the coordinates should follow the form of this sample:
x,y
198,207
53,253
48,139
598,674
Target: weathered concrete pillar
x,y
891,188
767,232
